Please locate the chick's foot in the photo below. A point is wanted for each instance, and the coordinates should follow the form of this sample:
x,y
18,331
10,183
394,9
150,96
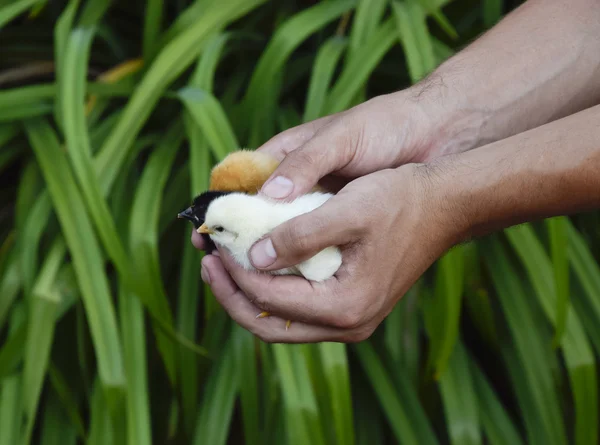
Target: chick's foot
x,y
264,314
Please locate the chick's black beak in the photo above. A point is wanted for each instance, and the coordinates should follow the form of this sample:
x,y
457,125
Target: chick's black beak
x,y
189,215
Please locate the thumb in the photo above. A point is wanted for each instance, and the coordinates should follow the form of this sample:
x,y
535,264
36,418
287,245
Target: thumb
x,y
334,223
330,149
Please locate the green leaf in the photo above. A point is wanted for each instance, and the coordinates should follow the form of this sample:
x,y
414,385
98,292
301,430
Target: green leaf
x,y
460,399
557,228
218,402
445,309
577,351
134,348
357,71
8,13
210,117
492,12
143,239
85,250
337,374
414,37
152,25
538,398
322,73
499,428
261,96
43,305
168,65
405,414
56,429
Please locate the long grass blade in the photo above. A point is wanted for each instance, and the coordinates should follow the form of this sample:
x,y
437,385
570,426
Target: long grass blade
x,y
85,250
261,94
169,63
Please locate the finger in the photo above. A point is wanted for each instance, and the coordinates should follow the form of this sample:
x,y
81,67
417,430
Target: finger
x,y
270,329
335,223
290,297
197,240
286,141
331,148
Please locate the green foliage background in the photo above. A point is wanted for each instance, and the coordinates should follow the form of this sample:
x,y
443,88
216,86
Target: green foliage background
x,y
111,116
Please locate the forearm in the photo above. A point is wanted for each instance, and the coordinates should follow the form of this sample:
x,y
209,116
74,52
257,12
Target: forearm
x,y
539,64
548,171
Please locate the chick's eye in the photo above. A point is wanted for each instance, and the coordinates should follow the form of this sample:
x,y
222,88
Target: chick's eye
x,y
219,229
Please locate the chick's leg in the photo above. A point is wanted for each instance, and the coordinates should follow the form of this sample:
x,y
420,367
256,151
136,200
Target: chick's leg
x,y
264,314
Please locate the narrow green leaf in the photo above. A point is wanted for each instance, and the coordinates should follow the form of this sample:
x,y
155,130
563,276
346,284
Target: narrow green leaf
x,y
43,305
296,422
152,26
168,65
203,76
143,238
446,308
460,399
10,386
558,245
218,401
405,414
367,17
61,35
10,409
56,429
7,133
85,250
414,37
67,400
93,12
8,13
358,70
499,428
24,111
337,375
492,12
261,96
246,366
210,117
543,418
134,347
101,431
577,351
9,289
322,73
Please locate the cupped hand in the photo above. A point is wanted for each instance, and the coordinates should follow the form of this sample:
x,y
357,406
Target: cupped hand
x,y
384,132
390,227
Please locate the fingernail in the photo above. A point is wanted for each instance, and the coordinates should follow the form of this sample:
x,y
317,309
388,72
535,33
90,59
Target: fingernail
x,y
205,275
263,253
278,187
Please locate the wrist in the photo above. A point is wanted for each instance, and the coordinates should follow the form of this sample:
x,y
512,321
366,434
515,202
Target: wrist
x,y
548,171
444,123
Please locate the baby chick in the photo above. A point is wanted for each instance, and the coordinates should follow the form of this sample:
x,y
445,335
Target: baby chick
x,y
240,171
197,211
236,221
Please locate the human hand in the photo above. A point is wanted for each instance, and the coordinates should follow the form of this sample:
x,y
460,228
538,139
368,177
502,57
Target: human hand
x,y
384,132
398,233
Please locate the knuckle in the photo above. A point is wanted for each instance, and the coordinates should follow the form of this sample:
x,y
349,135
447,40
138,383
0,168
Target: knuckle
x,y
306,156
294,238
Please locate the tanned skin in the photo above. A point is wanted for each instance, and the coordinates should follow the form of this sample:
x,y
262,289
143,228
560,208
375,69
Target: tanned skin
x,y
506,131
